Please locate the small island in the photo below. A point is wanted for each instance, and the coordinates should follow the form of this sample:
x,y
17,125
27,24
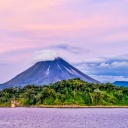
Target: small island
x,y
70,93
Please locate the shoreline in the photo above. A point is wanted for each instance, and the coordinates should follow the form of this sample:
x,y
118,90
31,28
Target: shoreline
x,y
75,106
64,106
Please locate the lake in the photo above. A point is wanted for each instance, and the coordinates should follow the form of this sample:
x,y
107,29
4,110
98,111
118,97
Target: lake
x,y
63,118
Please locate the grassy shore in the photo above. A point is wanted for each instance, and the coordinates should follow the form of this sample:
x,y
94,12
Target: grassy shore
x,y
64,106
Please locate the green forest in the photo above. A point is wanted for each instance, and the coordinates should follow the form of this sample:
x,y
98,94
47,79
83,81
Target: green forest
x,y
67,92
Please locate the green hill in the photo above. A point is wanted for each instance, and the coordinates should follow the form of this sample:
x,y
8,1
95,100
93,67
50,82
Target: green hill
x,y
67,92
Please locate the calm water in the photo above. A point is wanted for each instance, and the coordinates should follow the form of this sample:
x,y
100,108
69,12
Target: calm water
x,y
63,118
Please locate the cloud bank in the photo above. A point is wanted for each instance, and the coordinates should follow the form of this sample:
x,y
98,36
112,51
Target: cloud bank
x,y
45,55
106,68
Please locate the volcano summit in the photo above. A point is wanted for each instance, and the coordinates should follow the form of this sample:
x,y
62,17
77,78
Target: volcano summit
x,y
46,72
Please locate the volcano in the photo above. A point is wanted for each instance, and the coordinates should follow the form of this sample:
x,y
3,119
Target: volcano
x,y
46,72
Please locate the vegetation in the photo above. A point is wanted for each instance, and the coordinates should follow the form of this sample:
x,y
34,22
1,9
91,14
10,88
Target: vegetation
x,y
70,92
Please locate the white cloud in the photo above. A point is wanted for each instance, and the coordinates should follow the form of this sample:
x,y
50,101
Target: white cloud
x,y
113,65
107,78
104,65
85,68
120,64
45,55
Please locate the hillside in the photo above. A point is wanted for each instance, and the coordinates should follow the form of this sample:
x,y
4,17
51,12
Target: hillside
x,y
70,92
46,72
121,83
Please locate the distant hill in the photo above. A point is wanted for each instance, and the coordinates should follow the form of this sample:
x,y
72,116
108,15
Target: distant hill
x,y
46,72
121,83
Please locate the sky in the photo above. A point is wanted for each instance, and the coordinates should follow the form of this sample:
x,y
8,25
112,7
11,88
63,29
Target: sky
x,y
92,35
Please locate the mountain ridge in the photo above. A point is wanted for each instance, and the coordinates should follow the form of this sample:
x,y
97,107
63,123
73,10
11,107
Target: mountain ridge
x,y
46,72
121,83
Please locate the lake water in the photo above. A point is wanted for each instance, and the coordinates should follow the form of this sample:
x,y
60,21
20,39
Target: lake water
x,y
63,118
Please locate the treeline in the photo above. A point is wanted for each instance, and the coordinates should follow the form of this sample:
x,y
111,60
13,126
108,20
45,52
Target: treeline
x,y
67,92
